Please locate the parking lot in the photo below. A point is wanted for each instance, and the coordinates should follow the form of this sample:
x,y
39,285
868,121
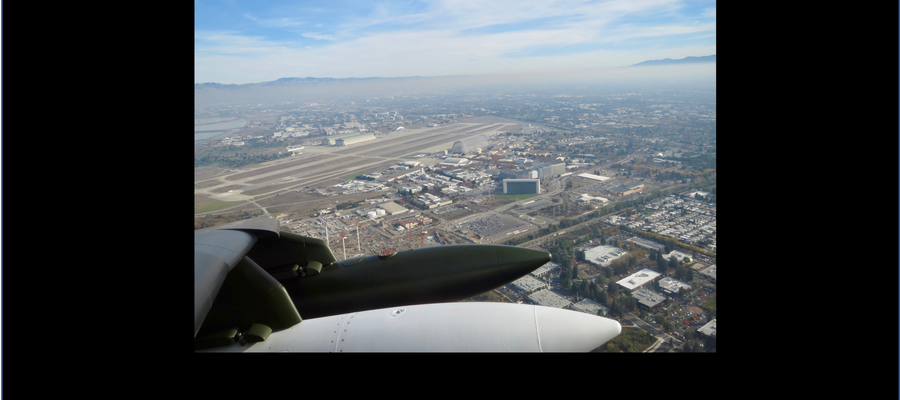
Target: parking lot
x,y
494,225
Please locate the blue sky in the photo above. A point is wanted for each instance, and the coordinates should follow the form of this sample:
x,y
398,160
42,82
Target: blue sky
x,y
238,41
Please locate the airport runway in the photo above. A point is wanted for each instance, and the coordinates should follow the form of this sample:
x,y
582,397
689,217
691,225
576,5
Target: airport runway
x,y
324,163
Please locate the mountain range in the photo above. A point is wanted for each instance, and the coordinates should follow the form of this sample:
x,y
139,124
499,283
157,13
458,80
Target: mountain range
x,y
282,82
669,61
296,82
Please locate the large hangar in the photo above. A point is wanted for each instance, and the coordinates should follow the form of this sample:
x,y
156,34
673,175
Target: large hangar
x,y
347,141
332,140
469,144
521,186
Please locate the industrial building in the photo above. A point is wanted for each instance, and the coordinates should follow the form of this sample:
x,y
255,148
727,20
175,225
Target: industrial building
x,y
332,140
709,273
648,299
528,284
638,279
549,170
709,329
538,171
393,208
589,306
678,256
521,186
355,139
671,286
545,269
469,144
594,177
603,255
516,174
547,298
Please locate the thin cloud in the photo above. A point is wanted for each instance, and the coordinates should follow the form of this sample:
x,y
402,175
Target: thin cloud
x,y
452,37
275,22
319,36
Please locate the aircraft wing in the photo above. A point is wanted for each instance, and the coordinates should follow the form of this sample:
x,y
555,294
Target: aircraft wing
x,y
215,254
252,284
444,327
231,291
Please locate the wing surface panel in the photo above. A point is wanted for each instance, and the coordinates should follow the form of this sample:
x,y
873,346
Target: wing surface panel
x,y
215,254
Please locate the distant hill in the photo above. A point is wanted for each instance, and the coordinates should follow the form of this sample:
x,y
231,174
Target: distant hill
x,y
296,82
669,61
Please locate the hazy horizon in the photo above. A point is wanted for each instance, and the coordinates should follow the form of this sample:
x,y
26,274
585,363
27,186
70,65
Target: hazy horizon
x,y
573,82
244,42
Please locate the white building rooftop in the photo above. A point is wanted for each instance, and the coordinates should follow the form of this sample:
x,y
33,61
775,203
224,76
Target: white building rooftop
x,y
671,285
595,177
648,297
589,306
679,255
639,278
709,329
547,298
603,255
393,208
543,269
528,284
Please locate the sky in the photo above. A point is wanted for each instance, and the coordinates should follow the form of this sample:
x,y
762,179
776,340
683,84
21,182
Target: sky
x,y
241,41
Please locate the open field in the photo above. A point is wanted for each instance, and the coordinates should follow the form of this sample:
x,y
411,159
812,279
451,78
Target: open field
x,y
201,173
710,305
225,189
206,184
204,204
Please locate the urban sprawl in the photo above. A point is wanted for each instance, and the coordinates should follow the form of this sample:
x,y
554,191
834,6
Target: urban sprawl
x,y
620,188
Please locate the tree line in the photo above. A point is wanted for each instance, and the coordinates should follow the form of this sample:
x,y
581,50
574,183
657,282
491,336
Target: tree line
x,y
224,158
631,340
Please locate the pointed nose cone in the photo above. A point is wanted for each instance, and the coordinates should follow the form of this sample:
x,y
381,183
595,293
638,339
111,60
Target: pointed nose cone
x,y
566,330
519,260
